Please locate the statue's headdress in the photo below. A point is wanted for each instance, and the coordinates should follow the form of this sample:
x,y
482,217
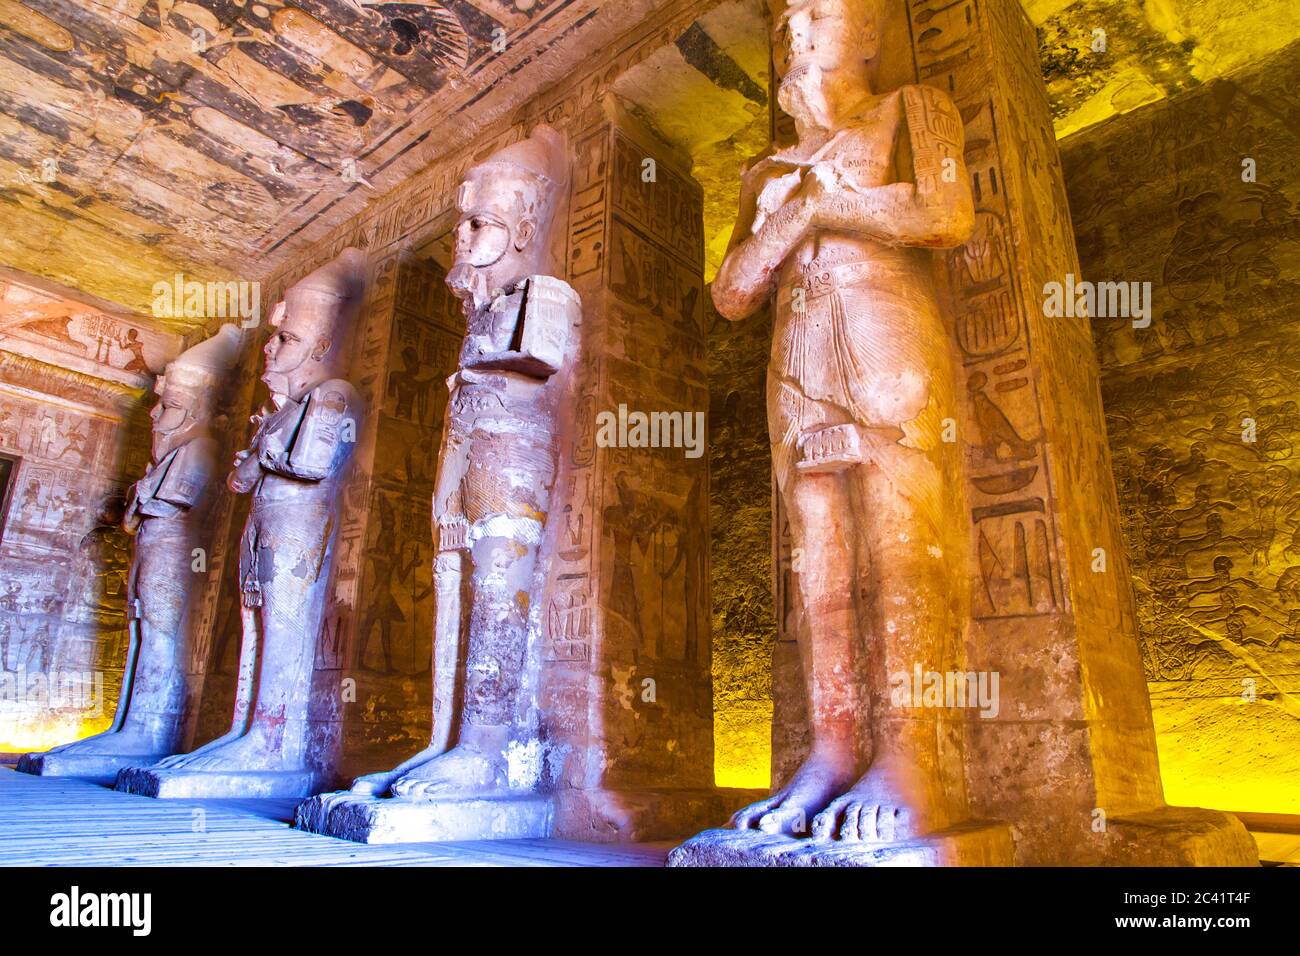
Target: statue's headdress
x,y
543,162
205,365
340,281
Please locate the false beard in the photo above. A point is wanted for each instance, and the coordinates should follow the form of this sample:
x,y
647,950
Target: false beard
x,y
800,92
470,284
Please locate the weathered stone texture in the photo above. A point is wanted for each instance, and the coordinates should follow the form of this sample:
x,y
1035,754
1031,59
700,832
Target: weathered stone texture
x,y
1203,424
74,434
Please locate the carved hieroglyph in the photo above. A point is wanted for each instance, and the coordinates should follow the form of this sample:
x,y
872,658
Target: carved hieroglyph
x,y
496,470
167,511
295,469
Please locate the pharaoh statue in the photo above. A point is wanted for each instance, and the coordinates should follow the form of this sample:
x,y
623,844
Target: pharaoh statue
x,y
497,466
167,512
832,234
295,468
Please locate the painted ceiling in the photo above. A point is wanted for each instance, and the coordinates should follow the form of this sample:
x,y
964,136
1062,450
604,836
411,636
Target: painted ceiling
x,y
139,138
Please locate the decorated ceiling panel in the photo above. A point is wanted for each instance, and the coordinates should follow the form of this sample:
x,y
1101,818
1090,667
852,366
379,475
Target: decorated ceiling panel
x,y
211,132
139,138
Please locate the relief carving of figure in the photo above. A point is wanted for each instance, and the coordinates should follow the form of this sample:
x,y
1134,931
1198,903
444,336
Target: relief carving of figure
x,y
295,468
833,233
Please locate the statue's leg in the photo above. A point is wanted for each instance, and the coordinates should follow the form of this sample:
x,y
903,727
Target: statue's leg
x,y
447,674
911,619
245,667
153,683
822,523
503,563
293,569
295,585
158,690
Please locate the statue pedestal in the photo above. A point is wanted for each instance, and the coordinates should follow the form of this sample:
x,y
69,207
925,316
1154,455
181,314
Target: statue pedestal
x,y
98,768
974,844
365,819
207,784
1179,836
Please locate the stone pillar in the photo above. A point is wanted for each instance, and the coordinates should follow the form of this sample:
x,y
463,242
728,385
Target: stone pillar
x,y
388,640
626,690
1069,760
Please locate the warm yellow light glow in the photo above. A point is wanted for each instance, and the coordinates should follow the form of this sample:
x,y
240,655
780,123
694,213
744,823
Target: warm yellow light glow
x,y
742,746
31,735
1227,752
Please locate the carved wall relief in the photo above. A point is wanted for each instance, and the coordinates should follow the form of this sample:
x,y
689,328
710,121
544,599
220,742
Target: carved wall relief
x,y
70,457
1202,419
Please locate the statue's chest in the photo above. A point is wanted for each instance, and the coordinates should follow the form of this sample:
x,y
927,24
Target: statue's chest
x,y
865,159
492,330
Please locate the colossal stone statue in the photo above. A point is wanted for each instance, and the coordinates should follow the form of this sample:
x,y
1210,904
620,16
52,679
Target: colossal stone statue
x,y
833,233
497,467
295,469
167,511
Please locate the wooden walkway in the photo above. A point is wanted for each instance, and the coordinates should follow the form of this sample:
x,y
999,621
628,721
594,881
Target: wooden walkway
x,y
53,821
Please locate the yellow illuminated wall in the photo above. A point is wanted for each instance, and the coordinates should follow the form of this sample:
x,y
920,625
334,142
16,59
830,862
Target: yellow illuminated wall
x,y
1200,197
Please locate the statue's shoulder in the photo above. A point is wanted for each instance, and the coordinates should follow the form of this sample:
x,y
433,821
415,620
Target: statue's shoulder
x,y
331,402
759,158
541,281
200,450
203,444
758,165
551,285
333,391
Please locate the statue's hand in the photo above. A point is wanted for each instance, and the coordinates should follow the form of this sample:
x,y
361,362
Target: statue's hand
x,y
820,184
245,473
776,192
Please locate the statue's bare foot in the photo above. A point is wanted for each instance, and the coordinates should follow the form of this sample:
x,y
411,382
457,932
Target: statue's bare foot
x,y
124,742
248,752
373,784
460,770
790,809
378,784
885,806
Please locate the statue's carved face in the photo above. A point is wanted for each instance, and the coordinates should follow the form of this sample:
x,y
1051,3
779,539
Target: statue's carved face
x,y
814,39
171,414
482,238
294,352
494,236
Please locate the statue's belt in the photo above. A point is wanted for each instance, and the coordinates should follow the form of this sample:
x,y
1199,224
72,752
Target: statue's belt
x,y
820,282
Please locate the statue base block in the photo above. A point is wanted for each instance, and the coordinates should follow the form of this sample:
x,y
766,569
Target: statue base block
x,y
1179,836
365,819
640,816
974,844
98,768
219,784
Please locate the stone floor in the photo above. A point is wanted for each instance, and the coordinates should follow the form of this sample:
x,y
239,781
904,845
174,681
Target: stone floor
x,y
52,821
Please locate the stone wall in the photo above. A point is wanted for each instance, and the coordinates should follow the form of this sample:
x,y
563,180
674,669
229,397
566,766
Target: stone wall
x,y
1203,420
74,443
744,623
